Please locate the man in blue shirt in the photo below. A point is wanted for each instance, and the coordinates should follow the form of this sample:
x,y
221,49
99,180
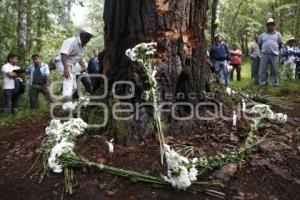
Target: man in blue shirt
x,y
270,43
219,55
39,74
94,67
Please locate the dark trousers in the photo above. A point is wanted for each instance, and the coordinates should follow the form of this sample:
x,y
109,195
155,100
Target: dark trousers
x,y
236,67
10,98
255,69
87,84
34,92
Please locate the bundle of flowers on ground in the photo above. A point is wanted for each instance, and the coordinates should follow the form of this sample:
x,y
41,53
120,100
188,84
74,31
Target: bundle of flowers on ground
x,y
263,111
239,155
60,140
59,155
181,173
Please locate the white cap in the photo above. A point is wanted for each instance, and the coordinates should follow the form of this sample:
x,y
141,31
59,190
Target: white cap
x,y
291,39
271,20
87,30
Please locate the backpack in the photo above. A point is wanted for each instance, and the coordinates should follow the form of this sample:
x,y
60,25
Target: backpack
x,y
19,86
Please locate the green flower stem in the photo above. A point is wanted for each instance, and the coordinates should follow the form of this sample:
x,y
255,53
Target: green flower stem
x,y
74,161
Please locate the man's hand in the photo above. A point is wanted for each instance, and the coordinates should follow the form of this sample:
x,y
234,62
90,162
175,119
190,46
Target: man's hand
x,y
83,66
83,69
66,72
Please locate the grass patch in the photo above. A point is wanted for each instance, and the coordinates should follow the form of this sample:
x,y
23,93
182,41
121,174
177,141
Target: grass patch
x,y
289,87
11,120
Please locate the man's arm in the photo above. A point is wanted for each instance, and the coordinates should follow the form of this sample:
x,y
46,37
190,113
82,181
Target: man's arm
x,y
47,80
8,72
12,74
47,75
83,65
280,41
64,60
260,43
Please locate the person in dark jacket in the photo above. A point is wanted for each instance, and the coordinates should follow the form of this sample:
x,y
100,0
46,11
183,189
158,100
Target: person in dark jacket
x,y
95,68
219,55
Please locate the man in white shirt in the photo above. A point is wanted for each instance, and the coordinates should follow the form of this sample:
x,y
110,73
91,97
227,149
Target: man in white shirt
x,y
71,54
9,95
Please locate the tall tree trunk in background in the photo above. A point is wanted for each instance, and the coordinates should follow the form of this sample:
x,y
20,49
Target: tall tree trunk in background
x,y
30,19
214,25
22,30
178,28
39,28
297,21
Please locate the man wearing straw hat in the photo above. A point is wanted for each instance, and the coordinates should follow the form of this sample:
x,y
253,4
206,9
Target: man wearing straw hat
x,y
270,43
289,54
70,57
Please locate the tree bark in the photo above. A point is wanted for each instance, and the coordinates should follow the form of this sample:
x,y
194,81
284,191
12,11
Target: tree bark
x,y
214,25
178,28
22,30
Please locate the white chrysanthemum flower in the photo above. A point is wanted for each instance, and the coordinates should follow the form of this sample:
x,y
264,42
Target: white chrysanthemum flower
x,y
264,112
178,174
228,90
280,118
64,134
60,148
70,106
193,173
154,72
182,181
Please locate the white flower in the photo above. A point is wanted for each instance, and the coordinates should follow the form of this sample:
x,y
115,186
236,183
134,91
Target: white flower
x,y
64,136
134,54
84,101
280,118
154,72
264,112
182,181
193,174
178,174
59,149
69,106
195,160
228,90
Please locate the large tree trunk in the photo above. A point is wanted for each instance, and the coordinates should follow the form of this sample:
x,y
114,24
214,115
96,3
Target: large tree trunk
x,y
22,30
178,28
214,25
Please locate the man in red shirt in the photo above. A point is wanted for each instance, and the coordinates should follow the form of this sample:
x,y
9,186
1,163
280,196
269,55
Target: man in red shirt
x,y
235,61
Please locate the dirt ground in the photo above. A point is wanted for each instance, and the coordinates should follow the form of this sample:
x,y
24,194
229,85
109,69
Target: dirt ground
x,y
272,173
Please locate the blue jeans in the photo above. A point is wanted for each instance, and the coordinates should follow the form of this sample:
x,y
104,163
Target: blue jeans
x,y
222,71
255,69
268,61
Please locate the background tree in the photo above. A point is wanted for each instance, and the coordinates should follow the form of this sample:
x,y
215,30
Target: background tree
x,y
214,19
22,29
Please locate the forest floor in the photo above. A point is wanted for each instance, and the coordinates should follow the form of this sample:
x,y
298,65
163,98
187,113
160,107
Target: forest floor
x,y
272,173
